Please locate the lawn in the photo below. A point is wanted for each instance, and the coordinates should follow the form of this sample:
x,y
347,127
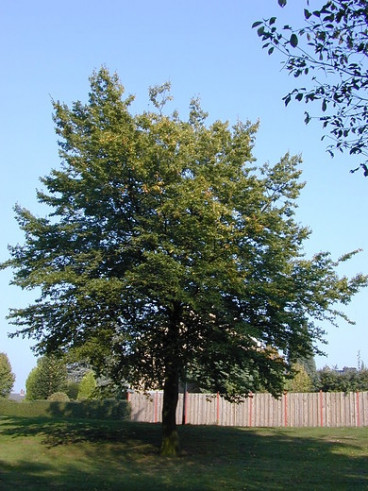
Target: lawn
x,y
106,455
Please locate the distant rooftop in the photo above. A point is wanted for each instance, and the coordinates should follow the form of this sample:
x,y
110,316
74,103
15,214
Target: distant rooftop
x,y
17,397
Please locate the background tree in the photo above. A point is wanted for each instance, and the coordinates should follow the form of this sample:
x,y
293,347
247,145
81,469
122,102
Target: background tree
x,y
168,253
87,387
7,378
329,51
346,380
300,382
309,365
48,377
76,370
72,390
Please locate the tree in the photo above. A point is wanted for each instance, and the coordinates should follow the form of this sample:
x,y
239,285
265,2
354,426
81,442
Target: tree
x,y
330,51
87,387
168,254
48,377
7,378
346,380
309,365
72,390
300,382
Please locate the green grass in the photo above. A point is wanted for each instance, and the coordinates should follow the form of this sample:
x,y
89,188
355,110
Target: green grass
x,y
106,455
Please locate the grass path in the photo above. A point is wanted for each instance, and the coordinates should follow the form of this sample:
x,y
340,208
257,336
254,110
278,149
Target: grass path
x,y
40,454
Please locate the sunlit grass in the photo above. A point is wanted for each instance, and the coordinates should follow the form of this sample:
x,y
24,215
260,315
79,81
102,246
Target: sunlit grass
x,y
43,454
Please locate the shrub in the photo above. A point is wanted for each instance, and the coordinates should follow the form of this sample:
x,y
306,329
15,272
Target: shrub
x,y
113,410
58,397
72,390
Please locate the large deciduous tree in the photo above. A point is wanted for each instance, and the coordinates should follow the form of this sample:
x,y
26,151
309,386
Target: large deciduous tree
x,y
7,377
329,51
167,254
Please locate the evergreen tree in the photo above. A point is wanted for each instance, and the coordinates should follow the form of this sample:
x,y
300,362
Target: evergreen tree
x,y
167,252
87,387
300,381
48,377
7,378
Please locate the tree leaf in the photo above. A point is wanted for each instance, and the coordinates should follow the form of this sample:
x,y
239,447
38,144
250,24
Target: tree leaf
x,y
294,40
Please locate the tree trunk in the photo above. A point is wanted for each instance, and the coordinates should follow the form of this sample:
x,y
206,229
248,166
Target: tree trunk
x,y
170,437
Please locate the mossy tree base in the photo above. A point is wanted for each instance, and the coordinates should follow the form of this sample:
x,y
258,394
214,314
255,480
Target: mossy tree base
x,y
170,445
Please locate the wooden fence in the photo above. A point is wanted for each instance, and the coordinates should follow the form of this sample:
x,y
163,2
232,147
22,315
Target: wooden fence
x,y
329,409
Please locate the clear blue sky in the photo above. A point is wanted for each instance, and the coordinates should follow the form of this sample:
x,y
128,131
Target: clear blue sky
x,y
205,48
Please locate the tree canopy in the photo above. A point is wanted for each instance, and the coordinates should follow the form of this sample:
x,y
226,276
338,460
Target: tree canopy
x,y
7,377
329,52
346,380
168,254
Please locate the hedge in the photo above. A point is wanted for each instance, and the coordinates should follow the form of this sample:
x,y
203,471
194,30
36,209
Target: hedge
x,y
106,409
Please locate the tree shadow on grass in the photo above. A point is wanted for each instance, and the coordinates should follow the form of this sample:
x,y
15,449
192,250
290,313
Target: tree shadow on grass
x,y
124,455
56,432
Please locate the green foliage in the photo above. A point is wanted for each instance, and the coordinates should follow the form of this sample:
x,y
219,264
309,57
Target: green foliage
x,y
7,378
87,387
329,51
168,252
300,381
309,365
72,390
346,380
116,410
48,377
31,385
58,397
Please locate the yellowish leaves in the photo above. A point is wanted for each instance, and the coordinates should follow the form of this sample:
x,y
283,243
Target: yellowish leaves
x,y
156,188
253,222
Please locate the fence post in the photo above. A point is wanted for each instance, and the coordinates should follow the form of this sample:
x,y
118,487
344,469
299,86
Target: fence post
x,y
218,408
321,407
250,409
155,408
128,396
285,409
185,407
357,409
